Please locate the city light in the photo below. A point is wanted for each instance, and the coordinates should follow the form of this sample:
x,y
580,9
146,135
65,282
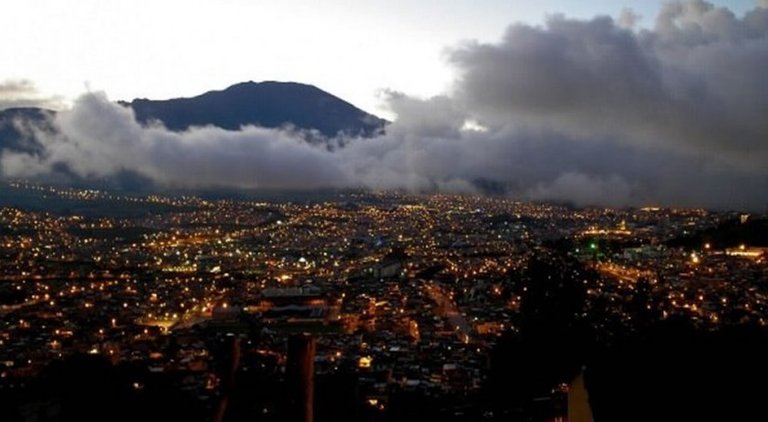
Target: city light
x,y
418,287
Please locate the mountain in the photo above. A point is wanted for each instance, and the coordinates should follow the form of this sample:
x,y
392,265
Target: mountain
x,y
265,104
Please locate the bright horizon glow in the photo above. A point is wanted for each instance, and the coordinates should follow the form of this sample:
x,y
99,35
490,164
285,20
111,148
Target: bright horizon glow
x,y
173,48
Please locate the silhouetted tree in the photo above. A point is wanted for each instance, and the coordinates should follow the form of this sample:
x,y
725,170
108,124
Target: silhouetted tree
x,y
552,341
671,371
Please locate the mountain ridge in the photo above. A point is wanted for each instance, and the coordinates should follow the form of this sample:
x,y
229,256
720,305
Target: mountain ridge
x,y
268,104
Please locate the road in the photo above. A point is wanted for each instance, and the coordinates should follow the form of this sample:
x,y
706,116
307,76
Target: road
x,y
7,309
630,275
446,308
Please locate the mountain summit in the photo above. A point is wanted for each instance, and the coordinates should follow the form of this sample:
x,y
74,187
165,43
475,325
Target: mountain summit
x,y
266,104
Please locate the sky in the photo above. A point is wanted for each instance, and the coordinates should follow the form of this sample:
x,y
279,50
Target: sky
x,y
353,49
592,103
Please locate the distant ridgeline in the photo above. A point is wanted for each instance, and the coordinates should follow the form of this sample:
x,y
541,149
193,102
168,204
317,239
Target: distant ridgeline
x,y
265,104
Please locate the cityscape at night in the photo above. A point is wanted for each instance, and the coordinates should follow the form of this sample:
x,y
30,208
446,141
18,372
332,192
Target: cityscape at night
x,y
408,298
383,210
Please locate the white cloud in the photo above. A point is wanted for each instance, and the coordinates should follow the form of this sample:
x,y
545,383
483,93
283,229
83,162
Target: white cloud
x,y
98,139
23,93
583,111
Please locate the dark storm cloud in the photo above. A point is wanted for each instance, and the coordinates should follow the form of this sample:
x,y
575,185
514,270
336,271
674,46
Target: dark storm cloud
x,y
23,93
592,112
697,81
536,164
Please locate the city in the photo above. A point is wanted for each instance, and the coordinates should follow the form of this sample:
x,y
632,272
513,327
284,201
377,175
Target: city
x,y
226,211
410,295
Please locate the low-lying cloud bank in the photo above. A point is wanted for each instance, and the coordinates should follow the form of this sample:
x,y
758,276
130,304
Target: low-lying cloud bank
x,y
17,93
585,111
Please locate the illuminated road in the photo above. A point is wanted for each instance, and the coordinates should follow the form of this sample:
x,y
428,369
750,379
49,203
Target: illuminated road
x,y
190,321
630,275
447,309
7,309
619,275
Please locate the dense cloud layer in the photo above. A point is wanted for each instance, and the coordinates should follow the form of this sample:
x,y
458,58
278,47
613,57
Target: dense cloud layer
x,y
590,112
696,82
99,139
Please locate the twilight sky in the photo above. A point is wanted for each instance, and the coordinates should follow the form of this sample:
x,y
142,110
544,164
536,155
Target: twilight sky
x,y
351,48
592,106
